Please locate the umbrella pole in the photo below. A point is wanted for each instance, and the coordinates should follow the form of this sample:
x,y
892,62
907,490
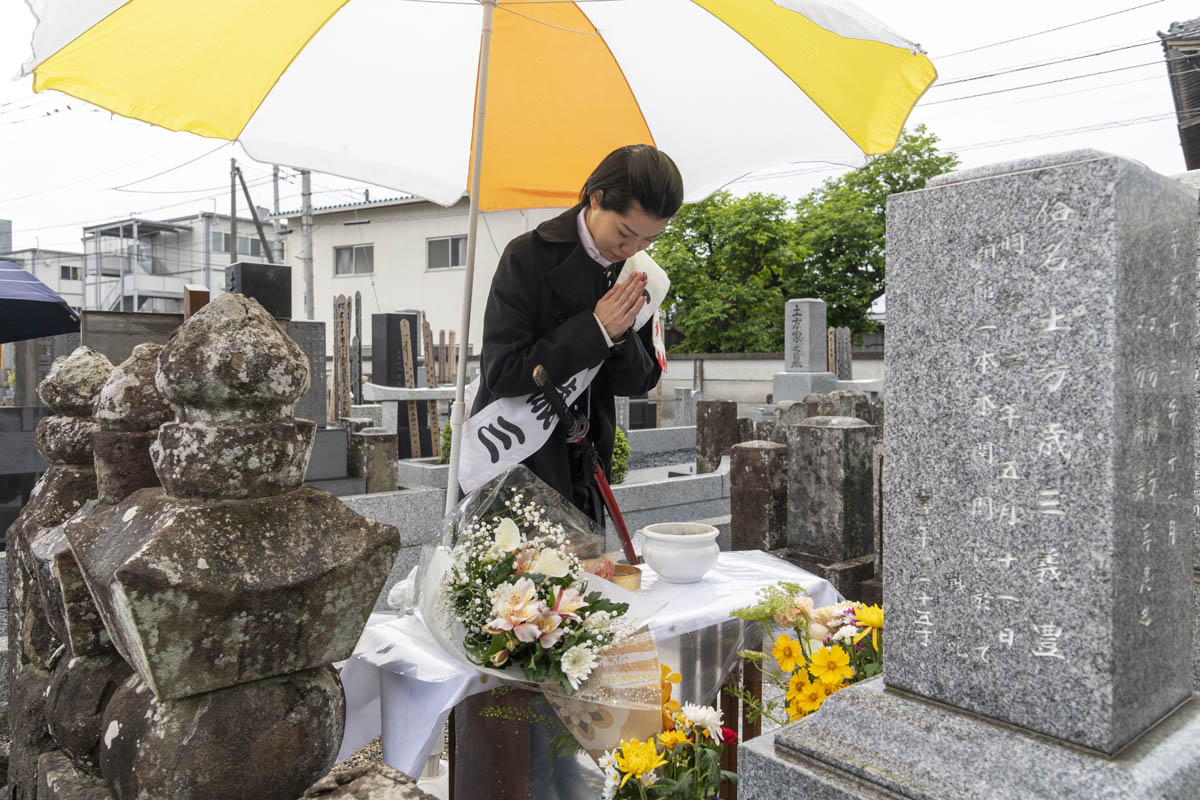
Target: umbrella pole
x,y
458,411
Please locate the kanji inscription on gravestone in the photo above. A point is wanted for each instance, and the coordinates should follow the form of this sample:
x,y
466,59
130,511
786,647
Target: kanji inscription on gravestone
x,y
1035,510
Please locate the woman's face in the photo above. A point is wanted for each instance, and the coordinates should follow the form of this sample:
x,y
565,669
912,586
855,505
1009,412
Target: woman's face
x,y
619,236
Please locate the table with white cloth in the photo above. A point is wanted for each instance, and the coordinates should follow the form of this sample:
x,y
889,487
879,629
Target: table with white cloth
x,y
401,685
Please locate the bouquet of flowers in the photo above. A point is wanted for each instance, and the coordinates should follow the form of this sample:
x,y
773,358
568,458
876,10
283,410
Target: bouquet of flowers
x,y
681,763
519,592
834,647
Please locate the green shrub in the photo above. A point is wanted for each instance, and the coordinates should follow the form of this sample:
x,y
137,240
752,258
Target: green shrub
x,y
620,460
447,429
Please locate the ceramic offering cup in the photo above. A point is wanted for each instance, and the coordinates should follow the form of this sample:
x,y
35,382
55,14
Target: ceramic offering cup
x,y
680,552
627,577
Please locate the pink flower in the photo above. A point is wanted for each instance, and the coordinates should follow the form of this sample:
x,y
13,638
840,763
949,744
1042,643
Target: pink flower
x,y
568,601
524,560
544,629
801,607
514,604
499,659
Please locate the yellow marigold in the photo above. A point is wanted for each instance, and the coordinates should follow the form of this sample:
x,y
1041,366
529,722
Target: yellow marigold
x,y
636,758
869,618
669,739
830,665
810,698
794,710
788,653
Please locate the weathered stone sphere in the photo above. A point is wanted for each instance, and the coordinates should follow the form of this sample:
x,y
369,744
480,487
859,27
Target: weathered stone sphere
x,y
66,440
231,364
71,387
129,400
79,690
266,740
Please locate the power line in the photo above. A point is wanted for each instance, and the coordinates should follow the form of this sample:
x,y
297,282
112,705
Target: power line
x,y
1051,30
1064,94
1039,64
1043,83
1066,132
172,169
75,183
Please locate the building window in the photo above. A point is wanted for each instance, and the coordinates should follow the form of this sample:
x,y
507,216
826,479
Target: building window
x,y
68,273
447,251
354,260
247,245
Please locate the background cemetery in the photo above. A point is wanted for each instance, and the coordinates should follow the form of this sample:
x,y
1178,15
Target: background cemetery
x,y
1018,488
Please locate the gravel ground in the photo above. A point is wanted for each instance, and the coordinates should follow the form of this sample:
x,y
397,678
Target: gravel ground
x,y
370,753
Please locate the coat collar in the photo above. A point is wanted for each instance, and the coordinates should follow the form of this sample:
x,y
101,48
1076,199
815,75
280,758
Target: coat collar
x,y
573,278
561,229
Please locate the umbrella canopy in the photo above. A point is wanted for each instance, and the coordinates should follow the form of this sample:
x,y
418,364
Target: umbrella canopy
x,y
396,92
384,91
29,308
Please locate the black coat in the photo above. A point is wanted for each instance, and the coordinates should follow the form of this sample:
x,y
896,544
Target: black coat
x,y
540,311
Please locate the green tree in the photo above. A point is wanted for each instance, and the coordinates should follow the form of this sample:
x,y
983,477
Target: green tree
x,y
734,261
840,228
726,256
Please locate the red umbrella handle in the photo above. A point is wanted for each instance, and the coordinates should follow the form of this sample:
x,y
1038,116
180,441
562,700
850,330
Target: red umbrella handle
x,y
610,503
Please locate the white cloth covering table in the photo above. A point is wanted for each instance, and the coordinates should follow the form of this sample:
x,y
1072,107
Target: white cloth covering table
x,y
401,685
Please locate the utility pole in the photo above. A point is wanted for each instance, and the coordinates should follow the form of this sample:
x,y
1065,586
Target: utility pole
x,y
233,182
275,209
306,235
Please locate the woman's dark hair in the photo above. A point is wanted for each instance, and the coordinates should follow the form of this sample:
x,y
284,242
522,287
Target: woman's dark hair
x,y
639,172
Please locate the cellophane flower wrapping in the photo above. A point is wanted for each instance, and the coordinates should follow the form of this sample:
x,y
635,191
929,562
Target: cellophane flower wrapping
x,y
506,591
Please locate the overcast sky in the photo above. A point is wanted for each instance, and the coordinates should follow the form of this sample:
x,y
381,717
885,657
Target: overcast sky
x,y
62,168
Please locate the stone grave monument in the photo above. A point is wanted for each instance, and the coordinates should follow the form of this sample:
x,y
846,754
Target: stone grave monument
x,y
228,592
65,440
1037,546
805,353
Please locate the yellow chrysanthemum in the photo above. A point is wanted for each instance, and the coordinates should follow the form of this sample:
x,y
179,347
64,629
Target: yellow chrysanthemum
x,y
669,739
871,619
830,665
788,653
794,711
635,758
810,698
798,680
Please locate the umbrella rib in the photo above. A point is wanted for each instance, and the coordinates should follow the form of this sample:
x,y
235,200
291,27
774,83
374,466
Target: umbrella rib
x,y
549,24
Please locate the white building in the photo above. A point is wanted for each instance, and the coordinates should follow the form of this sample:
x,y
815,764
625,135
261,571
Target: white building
x,y
138,264
401,253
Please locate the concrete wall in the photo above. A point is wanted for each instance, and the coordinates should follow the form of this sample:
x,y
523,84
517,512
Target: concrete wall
x,y
746,379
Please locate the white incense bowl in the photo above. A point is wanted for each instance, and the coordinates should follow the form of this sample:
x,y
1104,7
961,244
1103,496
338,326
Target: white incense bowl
x,y
680,552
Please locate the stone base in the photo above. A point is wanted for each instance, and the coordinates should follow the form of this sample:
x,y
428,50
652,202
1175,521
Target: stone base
x,y
1196,630
58,779
375,781
871,592
797,385
847,577
869,742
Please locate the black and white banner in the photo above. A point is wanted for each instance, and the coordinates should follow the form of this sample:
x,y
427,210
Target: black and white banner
x,y
511,429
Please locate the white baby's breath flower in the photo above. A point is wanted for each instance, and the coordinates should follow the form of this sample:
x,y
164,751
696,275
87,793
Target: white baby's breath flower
x,y
577,664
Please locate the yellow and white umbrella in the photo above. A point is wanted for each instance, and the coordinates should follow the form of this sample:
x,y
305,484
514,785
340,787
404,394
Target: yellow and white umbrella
x,y
394,92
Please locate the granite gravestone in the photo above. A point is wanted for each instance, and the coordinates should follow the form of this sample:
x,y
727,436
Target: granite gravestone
x,y
1036,547
805,355
1064,299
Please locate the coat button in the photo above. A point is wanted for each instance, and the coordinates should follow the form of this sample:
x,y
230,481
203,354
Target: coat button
x,y
560,318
